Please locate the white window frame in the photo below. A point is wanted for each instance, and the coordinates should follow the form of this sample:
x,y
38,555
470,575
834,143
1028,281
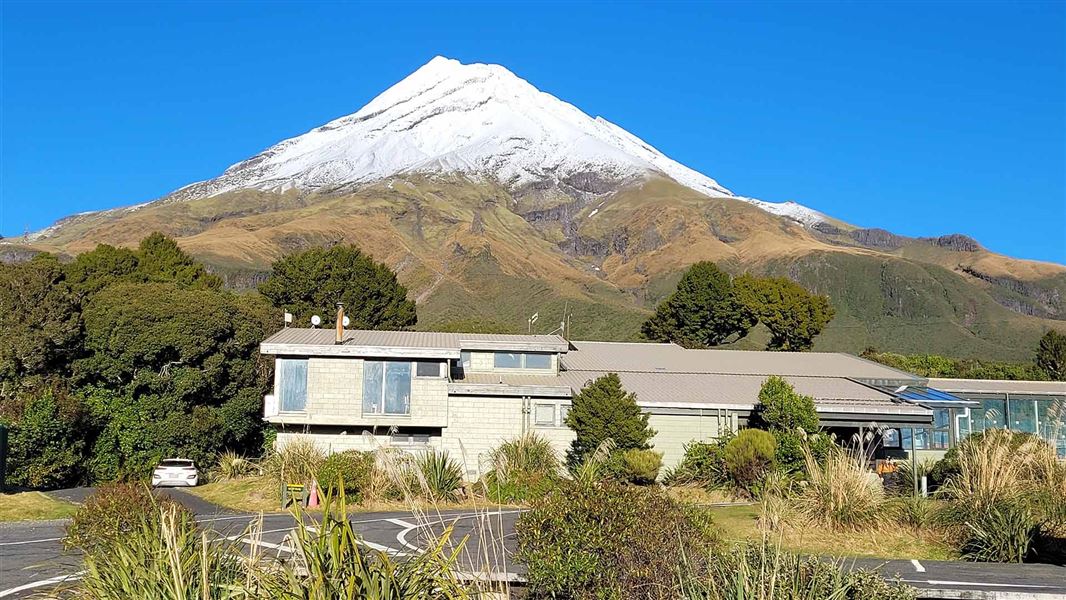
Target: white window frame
x,y
536,414
384,378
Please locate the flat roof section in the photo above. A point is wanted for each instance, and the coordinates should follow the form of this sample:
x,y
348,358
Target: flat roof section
x,y
999,386
416,344
671,358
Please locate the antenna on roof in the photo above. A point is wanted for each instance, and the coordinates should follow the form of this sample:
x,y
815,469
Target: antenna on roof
x,y
288,319
533,319
316,321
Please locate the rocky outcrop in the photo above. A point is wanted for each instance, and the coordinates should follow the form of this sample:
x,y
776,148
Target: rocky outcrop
x,y
956,242
877,238
1023,297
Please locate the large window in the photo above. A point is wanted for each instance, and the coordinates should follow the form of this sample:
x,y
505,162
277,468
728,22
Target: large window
x,y
292,374
521,360
386,387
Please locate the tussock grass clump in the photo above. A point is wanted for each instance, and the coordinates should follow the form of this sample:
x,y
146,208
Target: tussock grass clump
x,y
229,466
993,469
841,492
528,454
762,571
296,462
436,475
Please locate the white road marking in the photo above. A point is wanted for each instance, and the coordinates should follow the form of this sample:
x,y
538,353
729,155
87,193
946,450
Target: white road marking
x,y
917,566
402,523
41,583
41,541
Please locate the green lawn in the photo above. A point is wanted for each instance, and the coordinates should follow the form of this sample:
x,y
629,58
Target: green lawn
x,y
33,506
886,541
249,494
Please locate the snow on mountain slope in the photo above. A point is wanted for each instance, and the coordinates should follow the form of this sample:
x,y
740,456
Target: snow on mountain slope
x,y
475,119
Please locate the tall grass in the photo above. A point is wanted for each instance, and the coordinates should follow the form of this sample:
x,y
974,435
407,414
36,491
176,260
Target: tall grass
x,y
296,462
992,470
229,465
528,454
762,571
841,492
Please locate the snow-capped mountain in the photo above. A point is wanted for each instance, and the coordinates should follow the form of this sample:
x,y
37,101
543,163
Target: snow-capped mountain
x,y
476,119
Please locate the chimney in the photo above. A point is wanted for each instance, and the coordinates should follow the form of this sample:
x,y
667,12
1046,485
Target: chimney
x,y
340,323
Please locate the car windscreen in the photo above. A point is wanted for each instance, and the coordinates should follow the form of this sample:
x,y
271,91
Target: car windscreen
x,y
176,463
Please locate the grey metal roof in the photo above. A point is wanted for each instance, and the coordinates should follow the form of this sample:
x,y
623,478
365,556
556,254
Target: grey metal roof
x,y
714,390
638,357
999,386
444,345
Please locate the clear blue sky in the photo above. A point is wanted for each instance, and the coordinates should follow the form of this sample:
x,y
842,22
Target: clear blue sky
x,y
920,118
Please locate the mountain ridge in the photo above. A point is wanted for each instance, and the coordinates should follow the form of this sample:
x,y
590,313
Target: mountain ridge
x,y
473,185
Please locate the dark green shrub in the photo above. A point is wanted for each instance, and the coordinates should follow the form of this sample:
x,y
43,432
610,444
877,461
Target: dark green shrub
x,y
748,458
350,470
1003,533
609,541
603,410
112,512
703,463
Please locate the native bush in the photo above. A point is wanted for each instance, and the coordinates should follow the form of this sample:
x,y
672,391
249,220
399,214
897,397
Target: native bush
x,y
1001,532
521,469
703,463
748,458
112,512
609,540
350,470
641,467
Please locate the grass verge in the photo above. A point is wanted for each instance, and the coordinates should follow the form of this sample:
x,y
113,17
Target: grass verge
x,y
33,506
249,494
740,523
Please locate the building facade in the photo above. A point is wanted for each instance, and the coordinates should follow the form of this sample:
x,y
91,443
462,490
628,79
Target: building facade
x,y
467,393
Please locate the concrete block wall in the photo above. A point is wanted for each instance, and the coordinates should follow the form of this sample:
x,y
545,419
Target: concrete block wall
x,y
672,432
335,395
476,425
335,386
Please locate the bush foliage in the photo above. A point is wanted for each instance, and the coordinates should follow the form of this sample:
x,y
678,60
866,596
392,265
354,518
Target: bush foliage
x,y
608,541
748,458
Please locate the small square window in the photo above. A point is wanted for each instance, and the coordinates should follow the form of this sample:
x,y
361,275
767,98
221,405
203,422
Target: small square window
x,y
890,438
427,369
544,415
538,361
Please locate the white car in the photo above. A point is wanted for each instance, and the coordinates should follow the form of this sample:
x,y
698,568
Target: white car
x,y
175,472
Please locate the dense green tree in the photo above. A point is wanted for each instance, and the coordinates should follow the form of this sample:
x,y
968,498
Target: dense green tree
x,y
793,315
791,418
702,312
171,371
934,365
313,281
46,441
40,326
92,271
160,260
1051,355
601,410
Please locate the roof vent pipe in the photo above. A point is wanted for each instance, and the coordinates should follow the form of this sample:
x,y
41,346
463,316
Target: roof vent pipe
x,y
340,323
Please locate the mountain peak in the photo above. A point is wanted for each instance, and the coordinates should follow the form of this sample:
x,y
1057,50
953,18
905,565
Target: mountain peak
x,y
476,119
